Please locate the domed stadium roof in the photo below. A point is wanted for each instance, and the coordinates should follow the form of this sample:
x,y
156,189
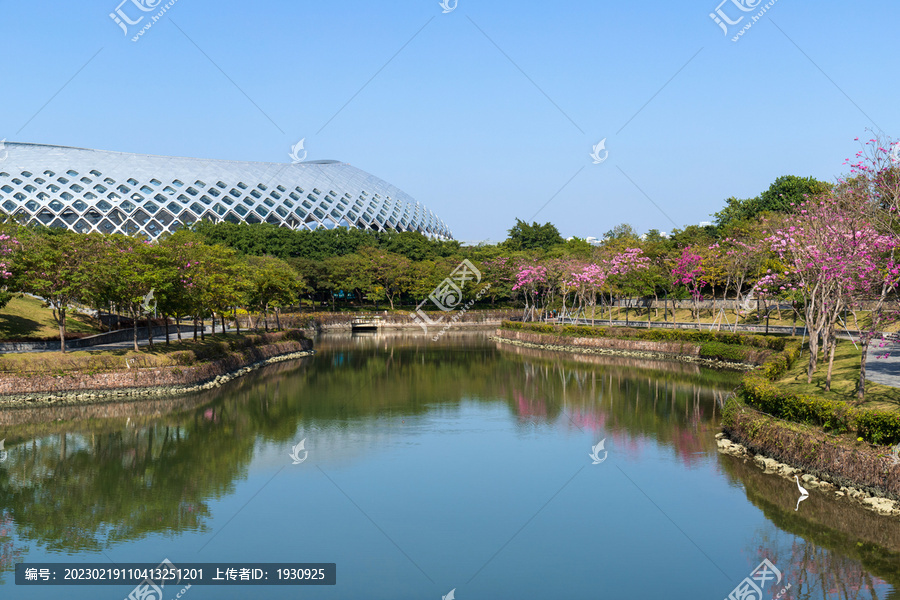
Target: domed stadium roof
x,y
138,194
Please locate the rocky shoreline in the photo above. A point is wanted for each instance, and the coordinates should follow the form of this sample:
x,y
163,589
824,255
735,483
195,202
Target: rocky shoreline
x,y
770,466
706,362
88,396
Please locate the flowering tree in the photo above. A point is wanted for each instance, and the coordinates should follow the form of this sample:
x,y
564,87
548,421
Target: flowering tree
x,y
588,282
832,254
8,246
873,186
628,274
532,281
688,271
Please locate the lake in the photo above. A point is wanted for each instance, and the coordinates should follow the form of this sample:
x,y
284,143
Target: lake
x,y
462,465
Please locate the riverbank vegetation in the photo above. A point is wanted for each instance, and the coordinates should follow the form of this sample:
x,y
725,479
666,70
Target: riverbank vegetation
x,y
185,353
811,253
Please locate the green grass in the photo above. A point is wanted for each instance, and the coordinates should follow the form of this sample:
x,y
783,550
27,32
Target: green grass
x,y
27,318
185,353
844,379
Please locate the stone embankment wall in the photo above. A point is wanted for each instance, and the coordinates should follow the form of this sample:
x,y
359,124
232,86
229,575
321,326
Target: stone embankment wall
x,y
338,321
613,345
831,468
23,390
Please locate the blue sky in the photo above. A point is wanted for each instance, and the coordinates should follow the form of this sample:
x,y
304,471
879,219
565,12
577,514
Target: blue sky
x,y
484,114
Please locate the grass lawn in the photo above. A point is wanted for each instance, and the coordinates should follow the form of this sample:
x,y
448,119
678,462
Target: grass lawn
x,y
706,316
843,380
160,355
26,317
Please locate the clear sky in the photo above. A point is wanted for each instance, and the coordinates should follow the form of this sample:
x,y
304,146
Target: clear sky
x,y
485,113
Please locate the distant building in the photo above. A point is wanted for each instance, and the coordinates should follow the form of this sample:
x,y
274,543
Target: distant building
x,y
139,194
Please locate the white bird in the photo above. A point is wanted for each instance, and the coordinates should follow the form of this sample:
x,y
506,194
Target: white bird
x,y
800,487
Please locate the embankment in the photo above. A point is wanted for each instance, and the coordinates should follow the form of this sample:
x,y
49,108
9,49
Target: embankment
x,y
713,349
100,378
830,445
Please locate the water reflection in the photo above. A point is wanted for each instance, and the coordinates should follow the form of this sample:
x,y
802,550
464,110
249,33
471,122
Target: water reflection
x,y
87,478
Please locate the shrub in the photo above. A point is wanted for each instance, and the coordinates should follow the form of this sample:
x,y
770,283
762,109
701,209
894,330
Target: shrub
x,y
721,351
759,391
768,342
878,427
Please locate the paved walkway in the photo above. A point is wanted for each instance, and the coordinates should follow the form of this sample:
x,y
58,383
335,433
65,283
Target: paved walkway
x,y
129,344
885,371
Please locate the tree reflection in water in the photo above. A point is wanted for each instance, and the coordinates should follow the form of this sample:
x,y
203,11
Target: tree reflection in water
x,y
111,473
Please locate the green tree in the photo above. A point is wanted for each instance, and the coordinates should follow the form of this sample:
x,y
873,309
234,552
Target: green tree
x,y
55,266
272,284
523,236
784,193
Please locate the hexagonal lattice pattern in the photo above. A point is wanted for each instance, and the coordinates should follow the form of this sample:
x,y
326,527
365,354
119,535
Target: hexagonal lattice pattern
x,y
137,194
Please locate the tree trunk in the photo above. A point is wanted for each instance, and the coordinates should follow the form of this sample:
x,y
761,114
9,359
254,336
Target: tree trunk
x,y
861,386
266,317
833,345
195,329
166,317
178,326
134,329
202,329
61,318
214,323
237,320
149,331
278,319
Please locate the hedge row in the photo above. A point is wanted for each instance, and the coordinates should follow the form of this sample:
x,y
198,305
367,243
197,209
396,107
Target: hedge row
x,y
759,391
221,349
768,342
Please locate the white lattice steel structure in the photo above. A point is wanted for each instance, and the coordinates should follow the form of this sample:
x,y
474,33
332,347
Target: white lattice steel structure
x,y
138,194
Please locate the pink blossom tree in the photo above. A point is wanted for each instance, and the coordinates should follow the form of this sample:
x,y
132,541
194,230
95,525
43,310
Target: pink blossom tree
x,y
688,271
628,275
532,281
832,254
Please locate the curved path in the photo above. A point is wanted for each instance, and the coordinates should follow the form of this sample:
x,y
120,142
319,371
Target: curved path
x,y
885,371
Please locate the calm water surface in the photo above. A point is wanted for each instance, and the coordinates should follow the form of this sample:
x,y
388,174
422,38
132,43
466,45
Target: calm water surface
x,y
459,464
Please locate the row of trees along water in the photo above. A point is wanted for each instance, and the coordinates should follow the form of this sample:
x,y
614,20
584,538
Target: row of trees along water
x,y
825,248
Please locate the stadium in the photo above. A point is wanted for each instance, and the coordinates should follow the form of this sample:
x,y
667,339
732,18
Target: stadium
x,y
144,195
